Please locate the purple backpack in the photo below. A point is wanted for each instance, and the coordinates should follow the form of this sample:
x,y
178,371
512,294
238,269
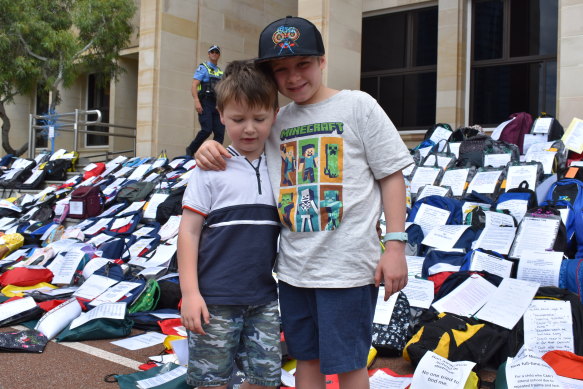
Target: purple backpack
x,y
515,130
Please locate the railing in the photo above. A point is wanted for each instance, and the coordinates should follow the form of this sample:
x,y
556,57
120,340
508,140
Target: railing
x,y
71,122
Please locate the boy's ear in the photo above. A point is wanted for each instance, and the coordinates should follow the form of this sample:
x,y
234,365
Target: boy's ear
x,y
221,116
323,62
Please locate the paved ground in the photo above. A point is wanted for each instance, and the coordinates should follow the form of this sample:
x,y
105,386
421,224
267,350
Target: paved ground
x,y
75,365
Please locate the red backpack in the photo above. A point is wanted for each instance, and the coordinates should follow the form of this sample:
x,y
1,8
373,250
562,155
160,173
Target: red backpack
x,y
515,130
94,171
86,201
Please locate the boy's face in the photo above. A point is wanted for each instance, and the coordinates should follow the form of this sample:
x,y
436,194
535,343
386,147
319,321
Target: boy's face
x,y
299,78
248,127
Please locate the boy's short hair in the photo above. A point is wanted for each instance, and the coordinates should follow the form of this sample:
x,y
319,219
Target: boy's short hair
x,y
290,37
244,82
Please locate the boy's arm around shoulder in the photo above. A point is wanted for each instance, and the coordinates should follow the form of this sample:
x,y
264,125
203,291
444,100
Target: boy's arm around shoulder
x,y
211,156
392,266
193,308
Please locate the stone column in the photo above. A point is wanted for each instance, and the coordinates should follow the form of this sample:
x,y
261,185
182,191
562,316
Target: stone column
x,y
451,63
165,116
340,22
569,60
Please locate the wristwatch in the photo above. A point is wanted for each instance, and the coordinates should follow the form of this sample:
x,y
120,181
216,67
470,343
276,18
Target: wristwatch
x,y
400,236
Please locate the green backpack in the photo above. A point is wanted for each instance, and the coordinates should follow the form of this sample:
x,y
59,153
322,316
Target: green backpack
x,y
148,299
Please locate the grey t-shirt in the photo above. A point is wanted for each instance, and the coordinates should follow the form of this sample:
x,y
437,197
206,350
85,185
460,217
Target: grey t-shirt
x,y
323,161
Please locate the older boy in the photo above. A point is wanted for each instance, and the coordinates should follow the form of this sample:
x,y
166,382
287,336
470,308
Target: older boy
x,y
227,245
329,269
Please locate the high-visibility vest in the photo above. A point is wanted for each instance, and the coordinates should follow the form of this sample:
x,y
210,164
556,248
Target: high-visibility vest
x,y
208,88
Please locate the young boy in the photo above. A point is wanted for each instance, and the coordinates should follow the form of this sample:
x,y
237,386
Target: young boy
x,y
227,245
349,158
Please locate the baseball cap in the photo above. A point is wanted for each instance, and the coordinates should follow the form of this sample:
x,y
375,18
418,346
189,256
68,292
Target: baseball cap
x,y
290,37
214,47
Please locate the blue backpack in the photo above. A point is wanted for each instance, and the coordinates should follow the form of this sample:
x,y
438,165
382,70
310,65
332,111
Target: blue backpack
x,y
452,205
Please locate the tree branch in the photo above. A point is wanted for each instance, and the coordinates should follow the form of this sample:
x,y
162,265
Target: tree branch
x,y
29,51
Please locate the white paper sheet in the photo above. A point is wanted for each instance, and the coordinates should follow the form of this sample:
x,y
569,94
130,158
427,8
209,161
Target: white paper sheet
x,y
55,320
15,307
64,266
440,133
496,160
542,267
139,172
519,173
162,378
490,263
509,302
93,265
429,217
94,286
545,157
517,208
444,237
419,292
548,325
381,380
535,234
456,180
107,310
141,341
115,293
498,130
542,125
98,226
467,298
436,372
414,265
423,176
485,182
442,161
155,201
573,137
431,190
384,309
528,370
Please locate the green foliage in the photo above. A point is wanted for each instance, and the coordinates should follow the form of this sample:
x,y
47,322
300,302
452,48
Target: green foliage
x,y
50,43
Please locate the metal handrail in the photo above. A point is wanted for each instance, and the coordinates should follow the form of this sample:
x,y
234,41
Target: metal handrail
x,y
62,124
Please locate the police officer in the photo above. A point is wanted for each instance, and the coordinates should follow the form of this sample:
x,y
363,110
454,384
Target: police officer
x,y
203,83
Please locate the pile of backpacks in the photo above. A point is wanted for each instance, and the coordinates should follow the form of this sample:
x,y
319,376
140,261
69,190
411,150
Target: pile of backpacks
x,y
101,241
503,210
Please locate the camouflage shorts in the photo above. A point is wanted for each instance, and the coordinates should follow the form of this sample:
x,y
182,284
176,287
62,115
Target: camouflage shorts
x,y
248,333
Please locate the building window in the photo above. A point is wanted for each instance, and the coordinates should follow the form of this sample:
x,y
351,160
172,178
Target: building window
x,y
97,98
514,59
399,65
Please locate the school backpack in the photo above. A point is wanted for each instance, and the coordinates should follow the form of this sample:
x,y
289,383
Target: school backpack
x,y
95,169
390,339
514,131
86,202
571,276
57,169
452,205
555,131
135,191
471,151
521,194
171,206
516,338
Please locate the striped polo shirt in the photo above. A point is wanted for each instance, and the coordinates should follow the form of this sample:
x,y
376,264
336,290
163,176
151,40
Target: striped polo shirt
x,y
238,243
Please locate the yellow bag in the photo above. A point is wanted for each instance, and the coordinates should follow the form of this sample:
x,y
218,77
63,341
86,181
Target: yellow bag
x,y
13,290
9,243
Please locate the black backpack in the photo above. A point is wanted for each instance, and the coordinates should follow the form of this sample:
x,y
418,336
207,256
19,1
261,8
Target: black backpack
x,y
171,206
57,169
516,338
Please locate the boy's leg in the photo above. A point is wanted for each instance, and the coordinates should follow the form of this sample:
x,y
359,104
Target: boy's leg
x,y
342,345
211,356
260,352
298,309
308,375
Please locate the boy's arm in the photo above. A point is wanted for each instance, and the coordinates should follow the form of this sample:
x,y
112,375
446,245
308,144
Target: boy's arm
x,y
392,267
193,305
211,156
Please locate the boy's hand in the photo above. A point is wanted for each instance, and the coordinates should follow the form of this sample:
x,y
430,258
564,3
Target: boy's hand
x,y
211,156
194,308
392,268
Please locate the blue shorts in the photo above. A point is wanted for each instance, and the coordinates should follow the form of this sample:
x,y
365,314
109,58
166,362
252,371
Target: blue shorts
x,y
332,325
